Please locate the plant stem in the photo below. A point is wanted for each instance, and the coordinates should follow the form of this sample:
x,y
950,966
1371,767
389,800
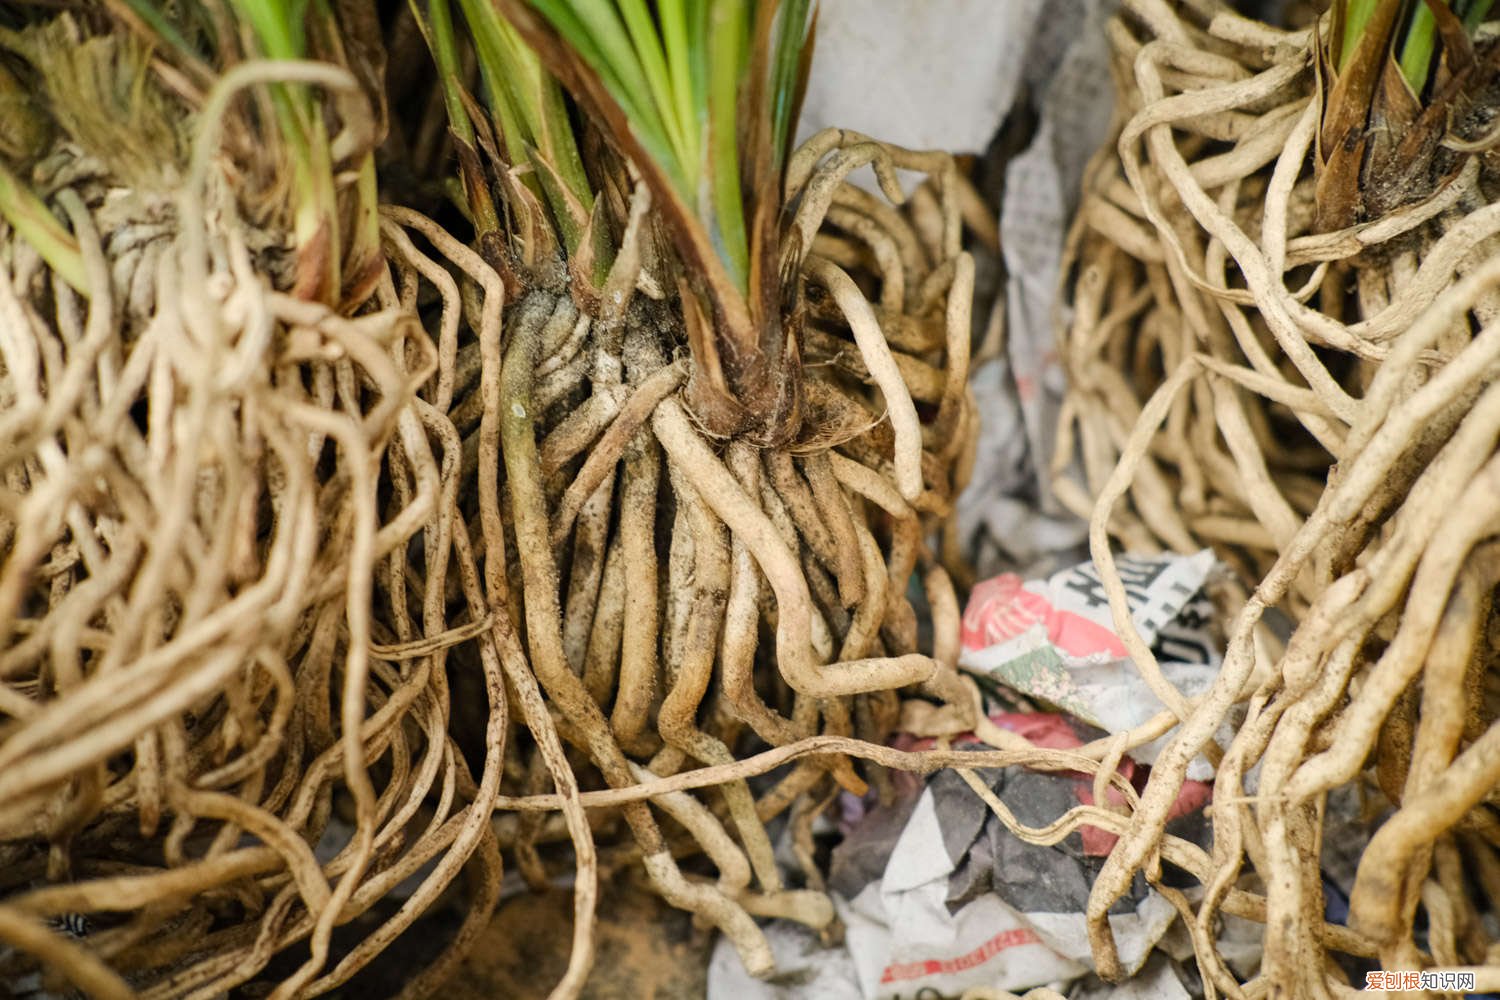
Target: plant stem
x,y
532,117
1477,11
279,27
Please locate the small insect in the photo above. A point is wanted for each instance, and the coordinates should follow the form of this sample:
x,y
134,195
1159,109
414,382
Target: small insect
x,y
75,925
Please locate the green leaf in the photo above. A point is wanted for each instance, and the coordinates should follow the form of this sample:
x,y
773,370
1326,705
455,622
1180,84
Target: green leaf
x,y
595,29
1357,14
443,44
791,37
541,103
677,69
437,28
727,41
29,217
281,32
532,116
649,51
151,14
277,24
497,66
1475,14
1416,50
678,39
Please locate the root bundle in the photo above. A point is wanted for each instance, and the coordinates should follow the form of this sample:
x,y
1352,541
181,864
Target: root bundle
x,y
265,559
210,661
673,595
1318,407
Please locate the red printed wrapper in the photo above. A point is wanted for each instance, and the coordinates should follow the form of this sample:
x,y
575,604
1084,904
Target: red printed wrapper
x,y
1055,640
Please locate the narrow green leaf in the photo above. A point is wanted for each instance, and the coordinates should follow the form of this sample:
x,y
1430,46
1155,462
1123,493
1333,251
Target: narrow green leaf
x,y
498,67
437,27
29,217
697,33
790,39
151,14
281,32
1417,49
444,47
278,25
1357,14
685,97
648,49
600,22
595,31
557,141
541,103
726,53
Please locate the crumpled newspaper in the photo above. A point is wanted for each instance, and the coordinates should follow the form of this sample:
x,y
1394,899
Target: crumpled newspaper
x,y
805,969
1008,517
940,74
937,896
1054,640
989,909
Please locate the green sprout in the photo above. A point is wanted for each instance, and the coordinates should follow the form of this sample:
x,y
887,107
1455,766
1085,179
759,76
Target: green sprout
x,y
676,69
697,97
280,30
1418,44
1421,37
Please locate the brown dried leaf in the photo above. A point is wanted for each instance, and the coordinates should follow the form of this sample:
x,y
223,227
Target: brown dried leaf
x,y
1393,109
1342,135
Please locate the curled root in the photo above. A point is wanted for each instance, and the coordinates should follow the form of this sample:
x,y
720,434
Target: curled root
x,y
1336,450
175,484
264,560
674,554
